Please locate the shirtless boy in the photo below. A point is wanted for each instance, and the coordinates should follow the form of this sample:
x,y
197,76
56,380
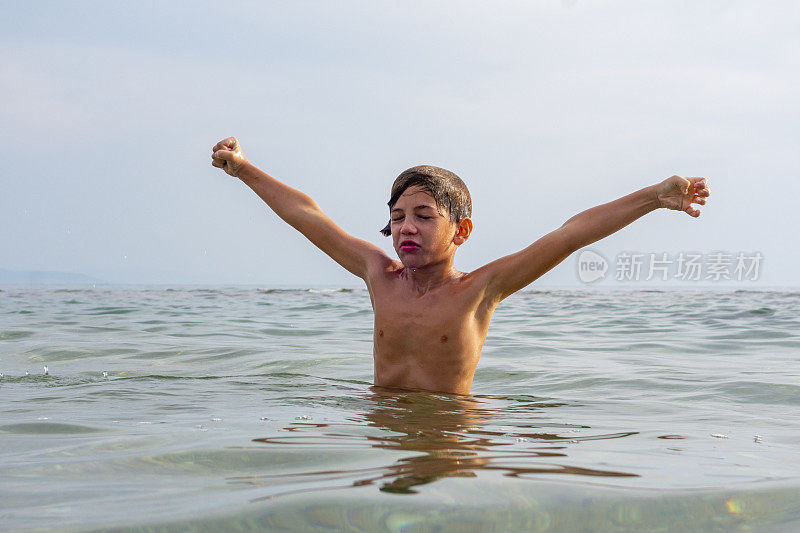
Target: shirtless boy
x,y
430,319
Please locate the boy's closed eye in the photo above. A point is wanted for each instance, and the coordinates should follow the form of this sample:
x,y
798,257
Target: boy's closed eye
x,y
424,217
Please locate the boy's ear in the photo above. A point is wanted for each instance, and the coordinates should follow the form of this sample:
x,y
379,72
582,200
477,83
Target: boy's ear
x,y
463,231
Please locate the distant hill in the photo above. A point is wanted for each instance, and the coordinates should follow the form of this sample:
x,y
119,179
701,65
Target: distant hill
x,y
44,277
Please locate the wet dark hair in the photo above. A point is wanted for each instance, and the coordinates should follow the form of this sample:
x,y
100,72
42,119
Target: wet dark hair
x,y
447,189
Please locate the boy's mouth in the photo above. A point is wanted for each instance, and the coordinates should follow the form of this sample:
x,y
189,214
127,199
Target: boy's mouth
x,y
409,246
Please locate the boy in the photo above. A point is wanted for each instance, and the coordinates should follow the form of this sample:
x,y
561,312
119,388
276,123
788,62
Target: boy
x,y
430,319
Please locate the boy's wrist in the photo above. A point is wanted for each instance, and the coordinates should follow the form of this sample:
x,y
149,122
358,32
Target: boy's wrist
x,y
656,199
246,172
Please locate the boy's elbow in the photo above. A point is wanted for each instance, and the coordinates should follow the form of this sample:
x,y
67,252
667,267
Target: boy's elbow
x,y
570,237
303,216
308,207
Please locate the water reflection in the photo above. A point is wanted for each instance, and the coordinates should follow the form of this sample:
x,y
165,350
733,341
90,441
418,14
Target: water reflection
x,y
446,436
453,430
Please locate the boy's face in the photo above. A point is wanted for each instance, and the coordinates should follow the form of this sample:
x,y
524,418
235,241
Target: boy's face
x,y
421,234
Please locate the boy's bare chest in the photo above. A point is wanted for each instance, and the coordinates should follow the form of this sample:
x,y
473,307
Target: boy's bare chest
x,y
442,308
430,310
446,322
431,341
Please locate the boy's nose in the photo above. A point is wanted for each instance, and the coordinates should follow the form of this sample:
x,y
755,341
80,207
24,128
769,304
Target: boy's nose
x,y
407,227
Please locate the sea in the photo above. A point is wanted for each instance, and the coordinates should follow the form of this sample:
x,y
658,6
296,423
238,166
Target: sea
x,y
232,408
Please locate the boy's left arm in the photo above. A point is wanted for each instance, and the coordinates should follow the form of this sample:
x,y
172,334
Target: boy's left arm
x,y
509,274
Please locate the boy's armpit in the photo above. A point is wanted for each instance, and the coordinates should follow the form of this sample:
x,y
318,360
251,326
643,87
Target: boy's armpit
x,y
511,273
378,262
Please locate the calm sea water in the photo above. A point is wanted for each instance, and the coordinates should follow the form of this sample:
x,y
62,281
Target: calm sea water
x,y
222,408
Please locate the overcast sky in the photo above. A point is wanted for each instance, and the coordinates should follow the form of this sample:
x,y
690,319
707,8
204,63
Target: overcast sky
x,y
543,108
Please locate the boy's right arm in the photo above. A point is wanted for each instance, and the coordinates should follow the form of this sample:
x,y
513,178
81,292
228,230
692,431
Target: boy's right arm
x,y
300,211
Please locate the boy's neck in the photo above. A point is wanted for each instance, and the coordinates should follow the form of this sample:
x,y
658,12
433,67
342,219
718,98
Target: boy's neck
x,y
430,276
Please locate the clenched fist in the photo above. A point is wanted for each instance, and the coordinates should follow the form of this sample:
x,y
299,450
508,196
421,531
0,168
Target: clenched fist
x,y
227,155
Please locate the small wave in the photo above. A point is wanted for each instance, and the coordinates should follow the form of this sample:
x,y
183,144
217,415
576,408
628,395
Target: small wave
x,y
762,311
749,292
72,290
18,334
297,332
98,311
162,377
326,291
46,428
307,290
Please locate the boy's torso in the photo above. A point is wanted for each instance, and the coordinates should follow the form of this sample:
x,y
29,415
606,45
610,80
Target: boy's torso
x,y
429,341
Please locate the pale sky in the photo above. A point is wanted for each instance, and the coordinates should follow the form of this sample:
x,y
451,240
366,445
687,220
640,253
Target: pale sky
x,y
543,108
